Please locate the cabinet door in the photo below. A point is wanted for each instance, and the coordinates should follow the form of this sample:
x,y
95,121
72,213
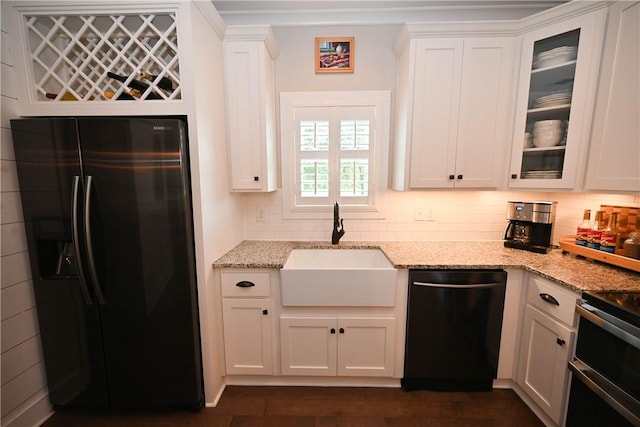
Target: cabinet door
x,y
438,70
614,156
555,99
544,355
247,336
249,74
365,346
483,125
308,345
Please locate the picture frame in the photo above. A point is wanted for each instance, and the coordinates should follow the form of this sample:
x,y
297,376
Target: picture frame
x,y
335,54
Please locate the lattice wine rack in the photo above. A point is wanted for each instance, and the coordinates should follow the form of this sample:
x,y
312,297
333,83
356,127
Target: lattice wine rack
x,y
73,55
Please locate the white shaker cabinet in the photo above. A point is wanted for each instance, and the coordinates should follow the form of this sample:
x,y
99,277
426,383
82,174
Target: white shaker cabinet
x,y
548,332
247,316
614,155
249,59
452,118
342,346
556,90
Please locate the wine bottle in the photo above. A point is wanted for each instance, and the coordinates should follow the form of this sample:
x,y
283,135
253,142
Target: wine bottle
x,y
610,238
162,82
595,232
67,96
123,96
134,84
583,228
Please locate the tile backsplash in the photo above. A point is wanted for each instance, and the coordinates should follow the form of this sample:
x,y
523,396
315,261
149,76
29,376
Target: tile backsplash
x,y
457,215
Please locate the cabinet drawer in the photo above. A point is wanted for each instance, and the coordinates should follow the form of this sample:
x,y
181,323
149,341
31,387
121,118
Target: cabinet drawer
x,y
543,295
243,284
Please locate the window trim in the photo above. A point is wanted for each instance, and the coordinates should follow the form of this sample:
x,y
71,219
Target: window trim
x,y
381,103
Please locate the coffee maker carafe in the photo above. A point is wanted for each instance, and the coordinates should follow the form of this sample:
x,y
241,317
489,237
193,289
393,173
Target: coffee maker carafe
x,y
530,225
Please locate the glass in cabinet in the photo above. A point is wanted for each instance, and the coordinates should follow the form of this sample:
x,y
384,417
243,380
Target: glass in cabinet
x,y
554,103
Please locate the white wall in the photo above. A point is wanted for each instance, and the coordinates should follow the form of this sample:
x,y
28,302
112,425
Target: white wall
x,y
459,215
23,390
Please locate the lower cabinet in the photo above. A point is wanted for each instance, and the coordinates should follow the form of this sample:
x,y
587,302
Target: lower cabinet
x,y
343,346
247,336
247,318
546,346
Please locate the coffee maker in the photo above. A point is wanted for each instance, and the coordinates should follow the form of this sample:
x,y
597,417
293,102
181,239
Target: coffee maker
x,y
530,226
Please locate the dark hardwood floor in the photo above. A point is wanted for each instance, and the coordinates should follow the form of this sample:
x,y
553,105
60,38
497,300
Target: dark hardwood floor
x,y
243,406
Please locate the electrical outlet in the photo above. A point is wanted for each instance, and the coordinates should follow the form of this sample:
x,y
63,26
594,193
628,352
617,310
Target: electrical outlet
x,y
260,214
420,213
429,215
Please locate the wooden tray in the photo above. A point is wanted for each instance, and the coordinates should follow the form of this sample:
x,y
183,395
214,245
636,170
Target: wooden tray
x,y
568,244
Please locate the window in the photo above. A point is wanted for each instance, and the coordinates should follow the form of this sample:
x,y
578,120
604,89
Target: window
x,y
334,148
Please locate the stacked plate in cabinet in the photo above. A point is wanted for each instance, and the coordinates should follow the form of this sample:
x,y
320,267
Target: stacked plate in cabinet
x,y
542,174
556,56
553,100
548,133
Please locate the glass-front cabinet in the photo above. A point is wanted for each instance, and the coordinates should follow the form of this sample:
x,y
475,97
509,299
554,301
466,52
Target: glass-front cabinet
x,y
555,102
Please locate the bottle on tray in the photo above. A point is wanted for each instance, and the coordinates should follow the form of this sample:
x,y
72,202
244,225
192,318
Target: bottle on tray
x,y
595,232
583,229
610,237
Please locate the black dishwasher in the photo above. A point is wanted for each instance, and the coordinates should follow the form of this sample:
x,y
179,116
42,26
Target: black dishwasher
x,y
454,320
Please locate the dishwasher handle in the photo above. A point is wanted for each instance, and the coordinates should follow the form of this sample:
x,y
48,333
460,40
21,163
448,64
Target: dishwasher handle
x,y
459,285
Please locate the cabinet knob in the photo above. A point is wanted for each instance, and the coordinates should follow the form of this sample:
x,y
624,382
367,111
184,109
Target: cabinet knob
x,y
333,330
514,176
452,176
560,342
255,178
342,330
460,176
265,311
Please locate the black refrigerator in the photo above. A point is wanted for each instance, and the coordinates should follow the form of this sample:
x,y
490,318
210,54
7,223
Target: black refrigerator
x,y
108,219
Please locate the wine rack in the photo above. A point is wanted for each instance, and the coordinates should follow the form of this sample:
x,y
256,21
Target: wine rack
x,y
70,56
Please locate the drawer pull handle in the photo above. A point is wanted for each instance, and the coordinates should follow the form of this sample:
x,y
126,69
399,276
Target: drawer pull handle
x,y
560,341
549,298
245,284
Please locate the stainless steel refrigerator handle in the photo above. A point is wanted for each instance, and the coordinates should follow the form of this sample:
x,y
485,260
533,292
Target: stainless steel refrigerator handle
x,y
458,286
614,396
623,330
74,238
87,233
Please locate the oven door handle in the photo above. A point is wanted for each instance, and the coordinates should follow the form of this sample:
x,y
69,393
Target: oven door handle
x,y
617,327
618,399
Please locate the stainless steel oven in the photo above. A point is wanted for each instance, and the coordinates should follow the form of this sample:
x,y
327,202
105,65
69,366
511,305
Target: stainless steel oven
x,y
605,386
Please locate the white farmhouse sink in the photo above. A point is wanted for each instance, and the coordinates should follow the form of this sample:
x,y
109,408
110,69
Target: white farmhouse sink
x,y
338,277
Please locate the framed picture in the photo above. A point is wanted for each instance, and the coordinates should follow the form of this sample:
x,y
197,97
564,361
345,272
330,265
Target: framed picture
x,y
334,54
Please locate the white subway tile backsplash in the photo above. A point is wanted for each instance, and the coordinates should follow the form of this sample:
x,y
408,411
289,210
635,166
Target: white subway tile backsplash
x,y
459,215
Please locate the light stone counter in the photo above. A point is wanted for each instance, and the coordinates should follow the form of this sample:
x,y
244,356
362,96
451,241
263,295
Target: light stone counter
x,y
568,270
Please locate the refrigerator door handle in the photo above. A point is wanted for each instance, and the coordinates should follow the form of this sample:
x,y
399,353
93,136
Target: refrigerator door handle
x,y
74,237
87,233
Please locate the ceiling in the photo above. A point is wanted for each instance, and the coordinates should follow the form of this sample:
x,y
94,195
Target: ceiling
x,y
331,12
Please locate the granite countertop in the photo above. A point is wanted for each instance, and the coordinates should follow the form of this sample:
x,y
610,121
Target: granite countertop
x,y
565,269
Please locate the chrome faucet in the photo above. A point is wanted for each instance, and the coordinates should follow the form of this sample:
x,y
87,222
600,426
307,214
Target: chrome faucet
x,y
337,222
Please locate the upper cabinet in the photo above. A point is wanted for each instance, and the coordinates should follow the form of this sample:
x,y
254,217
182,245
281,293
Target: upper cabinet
x,y
452,116
102,58
614,155
558,76
249,56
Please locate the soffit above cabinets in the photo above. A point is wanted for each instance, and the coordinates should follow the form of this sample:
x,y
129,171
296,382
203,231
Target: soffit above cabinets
x,y
351,12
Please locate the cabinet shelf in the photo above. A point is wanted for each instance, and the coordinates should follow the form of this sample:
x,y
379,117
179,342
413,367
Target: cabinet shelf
x,y
542,150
